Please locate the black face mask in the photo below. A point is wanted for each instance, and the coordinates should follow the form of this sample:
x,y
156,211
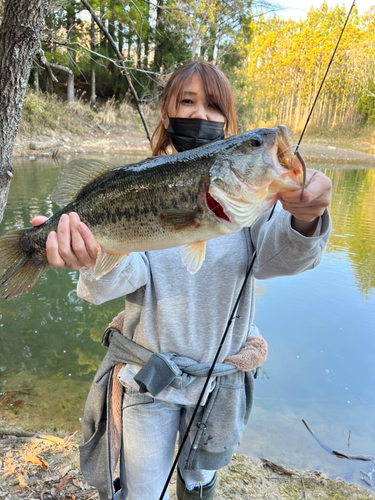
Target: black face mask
x,y
190,133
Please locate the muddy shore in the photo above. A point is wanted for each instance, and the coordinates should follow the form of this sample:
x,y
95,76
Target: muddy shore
x,y
35,466
125,141
47,467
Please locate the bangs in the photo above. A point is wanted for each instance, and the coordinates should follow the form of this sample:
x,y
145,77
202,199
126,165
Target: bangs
x,y
217,92
215,86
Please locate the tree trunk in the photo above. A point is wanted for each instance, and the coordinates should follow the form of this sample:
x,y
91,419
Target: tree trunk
x,y
212,42
103,40
297,112
291,105
71,28
329,125
36,80
120,37
92,62
158,46
138,61
70,88
20,34
93,88
335,114
49,85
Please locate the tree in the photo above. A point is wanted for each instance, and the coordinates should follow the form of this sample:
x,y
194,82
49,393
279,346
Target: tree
x,y
20,34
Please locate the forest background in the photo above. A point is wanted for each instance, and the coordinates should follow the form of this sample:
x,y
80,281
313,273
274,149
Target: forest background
x,y
275,64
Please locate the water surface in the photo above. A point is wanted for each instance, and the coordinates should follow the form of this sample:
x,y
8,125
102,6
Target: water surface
x,y
319,326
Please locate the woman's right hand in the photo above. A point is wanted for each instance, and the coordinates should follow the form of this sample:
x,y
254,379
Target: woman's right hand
x,y
72,245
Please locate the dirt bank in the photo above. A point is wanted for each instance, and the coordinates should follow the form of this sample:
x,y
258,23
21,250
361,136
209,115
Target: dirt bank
x,y
332,155
102,141
47,466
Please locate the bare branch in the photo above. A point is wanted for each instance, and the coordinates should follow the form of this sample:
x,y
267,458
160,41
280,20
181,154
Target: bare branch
x,y
121,62
61,68
39,56
114,61
161,7
368,92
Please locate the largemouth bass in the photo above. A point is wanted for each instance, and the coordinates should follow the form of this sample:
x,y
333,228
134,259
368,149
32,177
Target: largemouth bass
x,y
161,202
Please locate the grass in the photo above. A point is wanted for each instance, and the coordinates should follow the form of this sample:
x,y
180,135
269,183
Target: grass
x,y
47,114
359,138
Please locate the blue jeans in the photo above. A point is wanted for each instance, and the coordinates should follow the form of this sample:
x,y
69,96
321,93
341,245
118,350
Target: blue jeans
x,y
150,430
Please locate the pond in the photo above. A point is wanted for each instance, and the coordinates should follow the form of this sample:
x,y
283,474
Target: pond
x,y
319,326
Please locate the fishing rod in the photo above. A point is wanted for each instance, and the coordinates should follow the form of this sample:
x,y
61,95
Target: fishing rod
x,y
234,310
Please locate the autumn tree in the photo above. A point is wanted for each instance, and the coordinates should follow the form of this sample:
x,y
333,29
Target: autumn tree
x,y
282,67
20,33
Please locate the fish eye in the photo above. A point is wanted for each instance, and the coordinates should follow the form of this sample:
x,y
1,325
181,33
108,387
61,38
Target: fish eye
x,y
256,142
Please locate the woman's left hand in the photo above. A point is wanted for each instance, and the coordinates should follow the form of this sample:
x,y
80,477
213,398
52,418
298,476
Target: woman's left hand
x,y
316,198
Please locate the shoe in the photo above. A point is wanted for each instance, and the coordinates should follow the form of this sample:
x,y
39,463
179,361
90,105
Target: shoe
x,y
205,492
117,484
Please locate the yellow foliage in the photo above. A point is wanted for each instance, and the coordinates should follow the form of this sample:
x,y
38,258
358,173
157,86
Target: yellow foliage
x,y
286,60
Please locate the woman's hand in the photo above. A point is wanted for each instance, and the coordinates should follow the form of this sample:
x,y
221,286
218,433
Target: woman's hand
x,y
73,245
316,198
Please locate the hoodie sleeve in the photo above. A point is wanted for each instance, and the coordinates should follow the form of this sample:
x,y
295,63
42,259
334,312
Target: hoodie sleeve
x,y
282,251
129,275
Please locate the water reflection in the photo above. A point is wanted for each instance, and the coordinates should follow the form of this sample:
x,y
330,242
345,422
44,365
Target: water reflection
x,y
319,326
353,212
49,339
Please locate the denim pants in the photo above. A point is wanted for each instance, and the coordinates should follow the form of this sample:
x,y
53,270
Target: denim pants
x,y
150,429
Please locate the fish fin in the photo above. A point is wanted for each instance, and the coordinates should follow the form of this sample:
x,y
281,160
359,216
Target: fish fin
x,y
193,255
105,262
74,176
18,272
179,218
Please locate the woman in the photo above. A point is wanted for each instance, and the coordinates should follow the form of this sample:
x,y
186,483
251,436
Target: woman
x,y
170,311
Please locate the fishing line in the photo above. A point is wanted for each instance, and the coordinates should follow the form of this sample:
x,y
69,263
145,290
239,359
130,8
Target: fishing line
x,y
233,314
321,85
231,318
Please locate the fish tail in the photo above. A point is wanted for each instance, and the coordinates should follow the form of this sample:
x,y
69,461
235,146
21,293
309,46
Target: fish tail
x,y
21,263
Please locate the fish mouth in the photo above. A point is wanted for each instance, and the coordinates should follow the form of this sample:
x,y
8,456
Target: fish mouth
x,y
289,160
215,207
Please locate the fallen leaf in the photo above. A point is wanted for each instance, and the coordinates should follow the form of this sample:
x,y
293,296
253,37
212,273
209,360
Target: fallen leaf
x,y
37,461
54,439
6,398
276,468
21,481
69,477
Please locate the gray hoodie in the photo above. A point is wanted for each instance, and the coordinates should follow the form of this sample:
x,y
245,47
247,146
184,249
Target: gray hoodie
x,y
169,310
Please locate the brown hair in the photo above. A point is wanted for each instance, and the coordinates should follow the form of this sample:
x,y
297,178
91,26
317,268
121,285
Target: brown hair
x,y
217,91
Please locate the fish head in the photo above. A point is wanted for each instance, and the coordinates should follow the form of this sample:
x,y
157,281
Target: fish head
x,y
261,157
249,176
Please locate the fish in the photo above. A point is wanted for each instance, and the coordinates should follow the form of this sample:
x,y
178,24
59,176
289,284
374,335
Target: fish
x,y
180,200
